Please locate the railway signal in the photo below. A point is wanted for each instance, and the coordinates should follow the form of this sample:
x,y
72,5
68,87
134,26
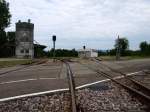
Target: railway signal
x,y
118,49
54,40
84,47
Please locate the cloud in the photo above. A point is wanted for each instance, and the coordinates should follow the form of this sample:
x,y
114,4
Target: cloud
x,y
95,23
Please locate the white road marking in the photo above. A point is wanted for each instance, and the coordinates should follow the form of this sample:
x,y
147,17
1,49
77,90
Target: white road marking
x,y
105,80
47,78
32,94
17,81
30,69
25,80
133,73
62,90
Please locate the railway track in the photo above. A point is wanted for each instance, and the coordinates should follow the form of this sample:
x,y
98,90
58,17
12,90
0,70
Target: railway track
x,y
71,86
36,62
76,100
142,92
131,79
72,90
143,78
140,83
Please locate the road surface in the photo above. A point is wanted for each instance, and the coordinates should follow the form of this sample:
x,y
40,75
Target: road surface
x,y
52,76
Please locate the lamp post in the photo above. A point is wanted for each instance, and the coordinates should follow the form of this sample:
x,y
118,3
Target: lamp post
x,y
54,40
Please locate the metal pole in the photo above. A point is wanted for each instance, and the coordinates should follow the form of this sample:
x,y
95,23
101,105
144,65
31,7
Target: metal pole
x,y
54,39
118,49
84,52
54,51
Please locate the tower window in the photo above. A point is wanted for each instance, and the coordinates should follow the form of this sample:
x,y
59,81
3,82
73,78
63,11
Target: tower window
x,y
27,50
22,51
26,39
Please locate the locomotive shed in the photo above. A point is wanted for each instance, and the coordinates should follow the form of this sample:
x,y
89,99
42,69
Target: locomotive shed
x,y
46,77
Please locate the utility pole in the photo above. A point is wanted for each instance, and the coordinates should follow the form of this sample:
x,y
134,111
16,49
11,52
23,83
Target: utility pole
x,y
54,40
118,49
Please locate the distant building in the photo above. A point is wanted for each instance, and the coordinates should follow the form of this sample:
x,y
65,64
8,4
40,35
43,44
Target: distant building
x,y
87,53
24,39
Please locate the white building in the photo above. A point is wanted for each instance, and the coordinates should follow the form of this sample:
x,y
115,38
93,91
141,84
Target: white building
x,y
87,53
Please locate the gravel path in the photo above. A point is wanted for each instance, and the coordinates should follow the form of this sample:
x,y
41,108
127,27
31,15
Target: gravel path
x,y
114,99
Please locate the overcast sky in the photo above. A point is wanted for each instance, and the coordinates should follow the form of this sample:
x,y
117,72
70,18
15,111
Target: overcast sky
x,y
94,23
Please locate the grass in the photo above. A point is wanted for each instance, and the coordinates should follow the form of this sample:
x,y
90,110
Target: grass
x,y
111,58
10,63
108,58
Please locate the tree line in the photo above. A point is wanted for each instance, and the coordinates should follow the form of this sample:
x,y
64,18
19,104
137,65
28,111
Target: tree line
x,y
125,51
62,53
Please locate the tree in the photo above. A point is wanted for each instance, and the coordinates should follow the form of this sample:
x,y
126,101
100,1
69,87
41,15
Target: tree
x,y
123,45
4,22
7,44
11,45
4,15
39,50
3,41
145,48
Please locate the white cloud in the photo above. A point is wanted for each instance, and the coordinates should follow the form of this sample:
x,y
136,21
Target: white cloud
x,y
83,21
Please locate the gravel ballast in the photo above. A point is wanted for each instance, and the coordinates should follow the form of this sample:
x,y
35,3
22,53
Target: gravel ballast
x,y
113,99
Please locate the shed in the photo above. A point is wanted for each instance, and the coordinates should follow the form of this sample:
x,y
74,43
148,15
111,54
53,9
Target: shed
x,y
87,53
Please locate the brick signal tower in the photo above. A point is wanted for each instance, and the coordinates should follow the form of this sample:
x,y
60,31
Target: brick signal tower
x,y
24,39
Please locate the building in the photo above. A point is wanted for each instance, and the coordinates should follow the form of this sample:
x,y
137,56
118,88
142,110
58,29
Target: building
x,y
87,53
24,39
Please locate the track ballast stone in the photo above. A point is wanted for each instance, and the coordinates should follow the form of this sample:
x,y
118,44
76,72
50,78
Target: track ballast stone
x,y
115,99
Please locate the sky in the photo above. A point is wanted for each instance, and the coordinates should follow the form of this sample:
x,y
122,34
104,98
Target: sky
x,y
93,23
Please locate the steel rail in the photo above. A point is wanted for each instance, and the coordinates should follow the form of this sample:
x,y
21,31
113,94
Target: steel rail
x,y
71,85
145,96
146,89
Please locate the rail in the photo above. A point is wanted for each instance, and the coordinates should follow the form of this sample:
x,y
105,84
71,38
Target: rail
x,y
138,91
125,76
71,86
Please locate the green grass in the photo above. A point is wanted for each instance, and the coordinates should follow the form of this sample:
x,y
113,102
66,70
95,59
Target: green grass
x,y
9,63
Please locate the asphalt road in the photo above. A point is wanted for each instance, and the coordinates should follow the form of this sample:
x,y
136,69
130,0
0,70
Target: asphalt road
x,y
52,76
